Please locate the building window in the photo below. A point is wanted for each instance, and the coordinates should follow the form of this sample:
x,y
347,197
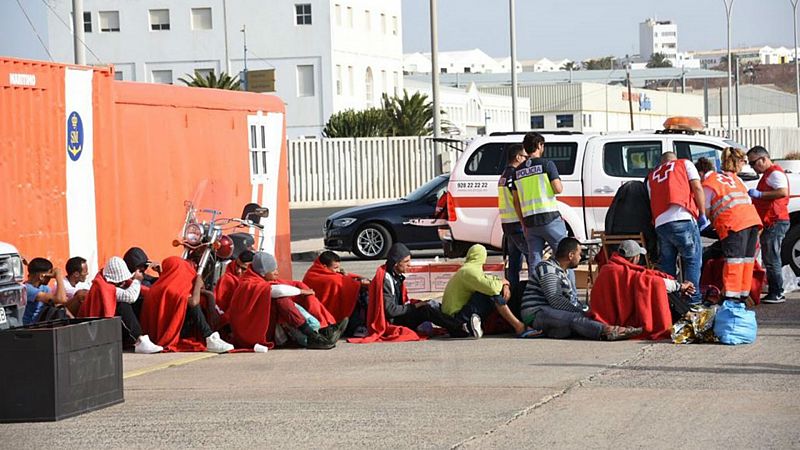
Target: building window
x,y
396,82
350,80
350,17
337,12
537,122
302,12
109,21
305,81
394,25
368,86
467,69
443,69
162,76
383,23
159,19
118,75
201,18
87,22
338,80
384,82
368,20
565,121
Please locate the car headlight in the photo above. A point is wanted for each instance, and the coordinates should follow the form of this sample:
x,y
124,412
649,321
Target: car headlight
x,y
16,267
345,222
193,234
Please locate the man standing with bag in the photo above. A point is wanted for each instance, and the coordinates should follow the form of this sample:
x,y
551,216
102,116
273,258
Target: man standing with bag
x,y
679,214
771,199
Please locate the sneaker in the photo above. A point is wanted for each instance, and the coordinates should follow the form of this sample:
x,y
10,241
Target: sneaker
x,y
361,331
475,327
145,346
615,333
773,299
258,348
317,341
338,330
215,344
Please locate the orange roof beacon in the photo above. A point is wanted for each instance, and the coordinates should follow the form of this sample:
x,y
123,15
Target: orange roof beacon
x,y
683,123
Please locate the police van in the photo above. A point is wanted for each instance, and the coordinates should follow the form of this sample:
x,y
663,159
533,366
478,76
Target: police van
x,y
592,168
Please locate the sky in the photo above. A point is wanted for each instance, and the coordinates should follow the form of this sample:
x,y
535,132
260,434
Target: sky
x,y
582,29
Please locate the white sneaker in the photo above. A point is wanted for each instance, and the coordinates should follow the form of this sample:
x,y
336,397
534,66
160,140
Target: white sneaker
x,y
258,348
145,346
475,326
215,344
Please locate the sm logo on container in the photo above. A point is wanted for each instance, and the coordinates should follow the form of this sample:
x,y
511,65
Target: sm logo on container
x,y
74,136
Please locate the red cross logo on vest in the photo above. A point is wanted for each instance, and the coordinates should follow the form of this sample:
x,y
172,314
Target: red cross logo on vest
x,y
662,173
726,180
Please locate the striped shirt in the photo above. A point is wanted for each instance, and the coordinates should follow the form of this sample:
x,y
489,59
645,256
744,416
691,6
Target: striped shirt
x,y
550,286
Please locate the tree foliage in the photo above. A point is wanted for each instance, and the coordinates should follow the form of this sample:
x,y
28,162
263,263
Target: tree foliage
x,y
605,63
658,60
224,81
371,122
571,65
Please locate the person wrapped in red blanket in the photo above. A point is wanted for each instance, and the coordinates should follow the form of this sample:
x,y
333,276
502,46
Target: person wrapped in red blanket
x,y
628,294
344,295
171,312
227,284
113,292
262,301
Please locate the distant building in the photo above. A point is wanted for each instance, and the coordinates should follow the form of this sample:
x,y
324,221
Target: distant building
x,y
462,61
327,55
543,65
658,36
759,106
760,55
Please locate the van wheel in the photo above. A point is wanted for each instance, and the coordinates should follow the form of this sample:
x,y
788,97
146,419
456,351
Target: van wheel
x,y
790,250
455,249
372,241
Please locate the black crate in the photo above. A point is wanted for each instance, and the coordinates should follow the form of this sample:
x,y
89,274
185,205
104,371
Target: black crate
x,y
59,369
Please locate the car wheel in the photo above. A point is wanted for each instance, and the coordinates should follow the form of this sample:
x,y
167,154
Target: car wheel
x,y
790,250
455,249
372,241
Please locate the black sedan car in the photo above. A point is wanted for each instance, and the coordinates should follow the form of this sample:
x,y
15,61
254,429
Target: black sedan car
x,y
368,231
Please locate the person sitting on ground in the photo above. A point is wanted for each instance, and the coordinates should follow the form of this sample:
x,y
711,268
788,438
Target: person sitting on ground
x,y
230,279
75,285
550,303
113,291
262,301
37,291
625,293
471,295
343,294
171,312
136,259
391,316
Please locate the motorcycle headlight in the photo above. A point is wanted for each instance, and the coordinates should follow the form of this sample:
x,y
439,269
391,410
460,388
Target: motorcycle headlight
x,y
345,222
193,234
16,267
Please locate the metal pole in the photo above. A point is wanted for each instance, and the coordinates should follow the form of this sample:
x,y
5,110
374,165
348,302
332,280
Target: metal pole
x,y
77,32
437,120
705,98
728,8
630,95
512,17
225,32
796,67
737,91
244,72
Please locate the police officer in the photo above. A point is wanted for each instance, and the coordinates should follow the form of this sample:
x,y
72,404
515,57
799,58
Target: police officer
x,y
536,183
513,237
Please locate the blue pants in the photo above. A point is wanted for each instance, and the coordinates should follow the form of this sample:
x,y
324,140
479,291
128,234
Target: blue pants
x,y
551,233
480,304
560,324
681,238
516,248
771,241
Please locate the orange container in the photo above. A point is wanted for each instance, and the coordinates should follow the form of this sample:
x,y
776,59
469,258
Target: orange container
x,y
149,146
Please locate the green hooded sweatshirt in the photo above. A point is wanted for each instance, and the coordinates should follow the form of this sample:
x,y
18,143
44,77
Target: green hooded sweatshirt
x,y
469,279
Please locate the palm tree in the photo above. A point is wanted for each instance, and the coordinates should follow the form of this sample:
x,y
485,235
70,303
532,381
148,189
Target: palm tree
x,y
658,60
570,65
224,81
409,116
604,63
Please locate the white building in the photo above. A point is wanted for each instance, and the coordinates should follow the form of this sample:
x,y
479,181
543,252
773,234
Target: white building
x,y
464,61
658,36
328,55
761,55
473,112
543,65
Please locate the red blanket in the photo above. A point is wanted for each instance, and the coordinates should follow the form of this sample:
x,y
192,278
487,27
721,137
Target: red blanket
x,y
225,286
630,295
101,300
379,329
337,292
712,276
249,312
165,304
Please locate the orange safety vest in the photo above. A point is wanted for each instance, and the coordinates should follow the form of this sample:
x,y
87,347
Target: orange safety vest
x,y
730,208
774,210
669,185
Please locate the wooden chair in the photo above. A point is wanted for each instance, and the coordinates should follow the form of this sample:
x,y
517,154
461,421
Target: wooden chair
x,y
608,240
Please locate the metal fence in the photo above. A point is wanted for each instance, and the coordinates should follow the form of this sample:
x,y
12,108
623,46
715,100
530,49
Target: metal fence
x,y
350,171
780,141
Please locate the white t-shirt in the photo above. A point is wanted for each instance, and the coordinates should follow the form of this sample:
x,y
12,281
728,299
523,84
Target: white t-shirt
x,y
777,180
71,290
675,213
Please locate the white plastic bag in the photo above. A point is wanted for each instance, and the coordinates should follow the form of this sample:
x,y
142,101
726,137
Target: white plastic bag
x,y
789,279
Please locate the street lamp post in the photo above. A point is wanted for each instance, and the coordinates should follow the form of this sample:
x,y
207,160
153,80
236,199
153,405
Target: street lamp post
x,y
512,18
437,120
244,73
796,67
728,8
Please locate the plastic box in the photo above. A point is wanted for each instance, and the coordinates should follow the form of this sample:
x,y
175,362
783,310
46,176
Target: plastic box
x,y
54,370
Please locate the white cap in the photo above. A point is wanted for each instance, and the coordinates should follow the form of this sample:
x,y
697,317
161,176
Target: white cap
x,y
116,271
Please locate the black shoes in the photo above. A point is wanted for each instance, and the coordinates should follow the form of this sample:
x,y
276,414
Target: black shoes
x,y
615,333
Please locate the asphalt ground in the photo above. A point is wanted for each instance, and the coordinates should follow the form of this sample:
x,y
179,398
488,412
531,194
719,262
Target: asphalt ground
x,y
496,392
308,223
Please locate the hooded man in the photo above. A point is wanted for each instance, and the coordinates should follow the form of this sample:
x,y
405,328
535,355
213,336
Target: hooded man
x,y
471,294
262,301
